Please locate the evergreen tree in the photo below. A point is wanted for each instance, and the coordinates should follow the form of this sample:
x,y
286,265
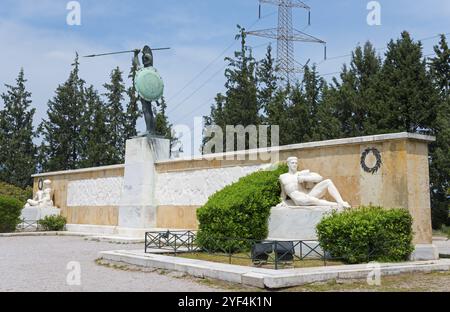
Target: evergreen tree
x,y
440,150
298,116
313,86
63,146
329,126
267,81
115,116
358,106
18,152
133,112
407,88
440,67
216,118
239,105
271,98
163,126
98,151
276,113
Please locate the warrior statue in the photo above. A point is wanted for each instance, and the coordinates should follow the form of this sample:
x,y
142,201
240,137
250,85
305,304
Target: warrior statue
x,y
149,86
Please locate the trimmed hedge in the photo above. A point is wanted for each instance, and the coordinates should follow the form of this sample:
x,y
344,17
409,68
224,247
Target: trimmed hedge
x,y
10,210
367,234
239,211
53,223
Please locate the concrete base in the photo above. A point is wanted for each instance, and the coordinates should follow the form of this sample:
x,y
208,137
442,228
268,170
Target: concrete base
x,y
114,230
296,223
425,252
267,278
36,213
138,204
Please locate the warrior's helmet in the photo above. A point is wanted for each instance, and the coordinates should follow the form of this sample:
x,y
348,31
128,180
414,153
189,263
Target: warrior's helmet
x,y
147,56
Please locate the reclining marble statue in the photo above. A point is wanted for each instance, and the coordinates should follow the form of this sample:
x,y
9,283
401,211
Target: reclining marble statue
x,y
306,188
41,205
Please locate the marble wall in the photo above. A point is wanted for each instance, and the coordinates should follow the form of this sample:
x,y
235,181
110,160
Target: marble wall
x,y
94,192
91,196
194,187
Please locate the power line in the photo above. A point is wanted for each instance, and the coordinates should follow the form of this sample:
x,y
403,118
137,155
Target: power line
x,y
286,35
323,75
194,109
213,61
199,88
202,71
377,49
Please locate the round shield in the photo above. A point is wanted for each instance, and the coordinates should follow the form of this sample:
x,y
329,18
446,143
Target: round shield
x,y
149,84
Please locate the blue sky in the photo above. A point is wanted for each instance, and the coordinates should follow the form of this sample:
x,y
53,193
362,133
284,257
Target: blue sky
x,y
35,35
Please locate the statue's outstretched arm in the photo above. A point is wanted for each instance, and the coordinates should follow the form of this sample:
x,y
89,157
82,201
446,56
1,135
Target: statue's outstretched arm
x,y
136,61
310,178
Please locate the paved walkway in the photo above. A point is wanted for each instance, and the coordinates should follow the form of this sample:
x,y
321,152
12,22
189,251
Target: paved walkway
x,y
443,246
40,264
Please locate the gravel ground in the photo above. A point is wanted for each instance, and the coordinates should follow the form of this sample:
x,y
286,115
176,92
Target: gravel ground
x,y
40,264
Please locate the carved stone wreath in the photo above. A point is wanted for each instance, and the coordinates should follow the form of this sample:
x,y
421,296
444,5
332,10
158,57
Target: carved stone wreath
x,y
377,155
40,184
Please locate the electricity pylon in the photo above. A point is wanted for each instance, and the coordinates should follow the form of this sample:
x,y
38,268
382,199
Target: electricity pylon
x,y
286,35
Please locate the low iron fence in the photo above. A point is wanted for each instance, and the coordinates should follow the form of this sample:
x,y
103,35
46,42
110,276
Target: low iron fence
x,y
28,226
178,241
262,253
258,252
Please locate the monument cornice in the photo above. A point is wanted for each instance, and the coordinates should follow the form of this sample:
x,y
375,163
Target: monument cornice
x,y
310,145
78,171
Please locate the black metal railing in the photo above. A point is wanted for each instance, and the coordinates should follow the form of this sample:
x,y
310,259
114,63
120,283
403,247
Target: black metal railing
x,y
172,241
258,252
28,226
262,253
275,253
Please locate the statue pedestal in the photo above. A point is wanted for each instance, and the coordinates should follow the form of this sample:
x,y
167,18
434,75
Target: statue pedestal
x,y
138,204
296,223
30,215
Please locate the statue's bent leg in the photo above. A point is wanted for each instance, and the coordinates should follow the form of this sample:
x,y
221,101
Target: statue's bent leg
x,y
301,199
323,187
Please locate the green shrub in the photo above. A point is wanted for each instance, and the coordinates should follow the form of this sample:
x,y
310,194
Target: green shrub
x,y
239,211
16,192
10,209
53,223
367,234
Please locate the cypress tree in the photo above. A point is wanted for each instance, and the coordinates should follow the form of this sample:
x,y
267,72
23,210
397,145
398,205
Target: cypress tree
x,y
63,146
18,152
98,150
133,112
440,150
239,105
163,126
407,88
267,81
115,116
357,102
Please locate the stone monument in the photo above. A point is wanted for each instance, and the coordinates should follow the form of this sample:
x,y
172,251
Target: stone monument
x,y
138,205
303,206
41,205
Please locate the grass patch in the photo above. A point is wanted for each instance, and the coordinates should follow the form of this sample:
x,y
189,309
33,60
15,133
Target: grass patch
x,y
243,260
410,282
